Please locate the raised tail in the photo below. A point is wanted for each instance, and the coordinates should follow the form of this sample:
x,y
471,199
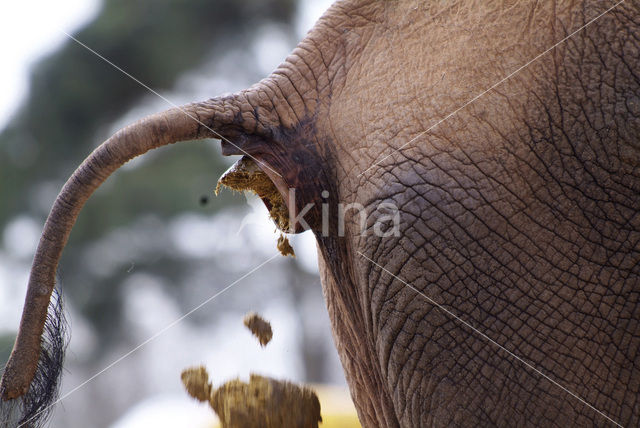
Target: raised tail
x,y
30,380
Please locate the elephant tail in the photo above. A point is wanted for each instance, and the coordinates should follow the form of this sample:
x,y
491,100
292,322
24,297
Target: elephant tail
x,y
30,380
33,408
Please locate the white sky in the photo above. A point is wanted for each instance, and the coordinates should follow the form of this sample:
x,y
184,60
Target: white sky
x,y
28,30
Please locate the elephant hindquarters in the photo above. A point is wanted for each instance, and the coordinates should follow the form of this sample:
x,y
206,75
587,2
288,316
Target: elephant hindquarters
x,y
499,304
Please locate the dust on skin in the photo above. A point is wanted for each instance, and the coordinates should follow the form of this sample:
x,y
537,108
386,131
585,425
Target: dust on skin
x,y
246,175
259,327
263,402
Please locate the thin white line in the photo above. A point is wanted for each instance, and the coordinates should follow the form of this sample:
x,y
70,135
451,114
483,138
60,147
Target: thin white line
x,y
165,99
493,86
442,308
155,336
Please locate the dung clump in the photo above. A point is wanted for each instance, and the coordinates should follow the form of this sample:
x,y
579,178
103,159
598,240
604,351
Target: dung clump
x,y
262,403
285,247
259,327
246,175
196,381
266,402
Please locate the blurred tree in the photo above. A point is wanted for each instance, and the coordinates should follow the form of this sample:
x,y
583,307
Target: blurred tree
x,y
74,95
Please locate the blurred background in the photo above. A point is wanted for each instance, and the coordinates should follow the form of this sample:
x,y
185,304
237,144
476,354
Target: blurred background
x,y
154,242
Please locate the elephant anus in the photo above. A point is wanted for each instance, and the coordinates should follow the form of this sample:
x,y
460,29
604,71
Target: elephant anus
x,y
471,173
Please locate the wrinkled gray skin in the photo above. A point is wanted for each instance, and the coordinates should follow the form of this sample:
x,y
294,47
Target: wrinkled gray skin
x,y
519,209
520,214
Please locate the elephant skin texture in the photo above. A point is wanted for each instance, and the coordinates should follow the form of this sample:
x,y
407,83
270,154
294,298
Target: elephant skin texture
x,y
471,171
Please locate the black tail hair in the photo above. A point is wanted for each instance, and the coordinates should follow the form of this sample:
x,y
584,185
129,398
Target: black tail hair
x,y
34,408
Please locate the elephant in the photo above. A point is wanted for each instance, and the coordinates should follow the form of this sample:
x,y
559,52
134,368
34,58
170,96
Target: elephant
x,y
504,139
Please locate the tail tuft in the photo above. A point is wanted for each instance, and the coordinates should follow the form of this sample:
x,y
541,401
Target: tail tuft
x,y
34,408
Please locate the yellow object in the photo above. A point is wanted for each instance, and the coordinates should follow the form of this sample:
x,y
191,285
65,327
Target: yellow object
x,y
340,421
337,409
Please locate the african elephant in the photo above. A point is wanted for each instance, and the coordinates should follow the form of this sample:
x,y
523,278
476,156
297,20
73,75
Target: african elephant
x,y
505,289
